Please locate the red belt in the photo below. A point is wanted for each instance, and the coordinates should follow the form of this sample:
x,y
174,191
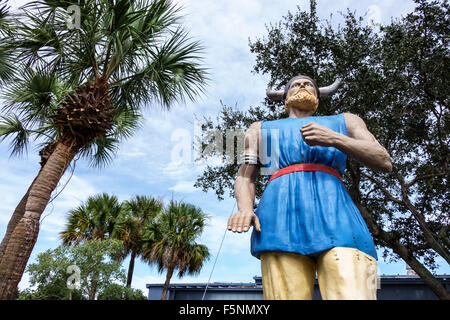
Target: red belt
x,y
305,167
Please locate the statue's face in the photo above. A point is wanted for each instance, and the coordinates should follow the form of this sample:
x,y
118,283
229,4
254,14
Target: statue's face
x,y
302,95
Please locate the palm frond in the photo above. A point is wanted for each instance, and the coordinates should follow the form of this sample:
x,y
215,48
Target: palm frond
x,y
78,227
6,62
94,219
3,13
134,30
178,76
174,239
12,126
126,123
193,258
35,94
100,151
5,19
171,74
6,65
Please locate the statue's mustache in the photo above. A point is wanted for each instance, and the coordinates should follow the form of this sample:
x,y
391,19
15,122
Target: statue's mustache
x,y
302,90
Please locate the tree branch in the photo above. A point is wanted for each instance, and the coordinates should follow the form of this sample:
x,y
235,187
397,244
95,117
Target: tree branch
x,y
385,191
416,179
429,237
405,254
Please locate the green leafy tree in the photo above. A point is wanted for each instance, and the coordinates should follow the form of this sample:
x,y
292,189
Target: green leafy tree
x,y
49,277
394,78
80,91
172,241
119,292
97,263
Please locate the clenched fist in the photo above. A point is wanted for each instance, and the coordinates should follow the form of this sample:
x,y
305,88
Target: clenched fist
x,y
315,134
242,220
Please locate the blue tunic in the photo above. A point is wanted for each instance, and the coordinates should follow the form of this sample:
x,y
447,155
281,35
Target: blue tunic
x,y
306,212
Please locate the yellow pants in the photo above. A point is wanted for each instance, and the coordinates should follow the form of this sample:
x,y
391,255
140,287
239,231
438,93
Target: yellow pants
x,y
343,274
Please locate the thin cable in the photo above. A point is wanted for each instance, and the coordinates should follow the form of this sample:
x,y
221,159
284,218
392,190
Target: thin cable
x,y
214,265
59,192
223,238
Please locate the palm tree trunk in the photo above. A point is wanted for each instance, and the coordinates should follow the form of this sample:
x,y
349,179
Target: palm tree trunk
x,y
166,284
24,236
93,285
131,268
17,215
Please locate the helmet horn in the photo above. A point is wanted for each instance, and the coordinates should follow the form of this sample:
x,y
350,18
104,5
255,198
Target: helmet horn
x,y
275,94
326,91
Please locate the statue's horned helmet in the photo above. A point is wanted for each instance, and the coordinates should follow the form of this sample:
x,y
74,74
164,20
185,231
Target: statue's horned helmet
x,y
280,95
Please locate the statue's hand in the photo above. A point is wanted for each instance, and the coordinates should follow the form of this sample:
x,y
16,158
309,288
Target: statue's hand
x,y
242,220
315,134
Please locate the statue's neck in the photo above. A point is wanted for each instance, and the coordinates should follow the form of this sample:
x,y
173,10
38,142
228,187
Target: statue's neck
x,y
297,113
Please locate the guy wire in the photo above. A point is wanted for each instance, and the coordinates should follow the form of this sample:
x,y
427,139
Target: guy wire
x,y
223,238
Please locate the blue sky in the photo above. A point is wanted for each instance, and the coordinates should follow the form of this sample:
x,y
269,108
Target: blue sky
x,y
144,165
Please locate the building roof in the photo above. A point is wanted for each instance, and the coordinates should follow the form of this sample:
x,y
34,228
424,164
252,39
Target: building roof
x,y
257,284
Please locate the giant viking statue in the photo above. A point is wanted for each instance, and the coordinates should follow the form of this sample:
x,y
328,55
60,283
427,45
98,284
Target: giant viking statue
x,y
306,222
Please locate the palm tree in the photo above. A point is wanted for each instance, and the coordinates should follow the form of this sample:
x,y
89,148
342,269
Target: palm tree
x,y
36,91
97,218
172,242
103,217
139,213
125,54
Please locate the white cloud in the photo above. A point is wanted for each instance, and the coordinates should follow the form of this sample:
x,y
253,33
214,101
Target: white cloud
x,y
15,178
25,282
184,187
176,169
76,191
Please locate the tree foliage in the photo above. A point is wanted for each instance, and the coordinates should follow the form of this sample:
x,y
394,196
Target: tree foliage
x,y
158,234
6,62
118,292
98,265
395,78
139,49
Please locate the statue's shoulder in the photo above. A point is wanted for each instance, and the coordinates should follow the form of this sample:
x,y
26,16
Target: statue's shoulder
x,y
352,118
255,126
353,123
348,115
